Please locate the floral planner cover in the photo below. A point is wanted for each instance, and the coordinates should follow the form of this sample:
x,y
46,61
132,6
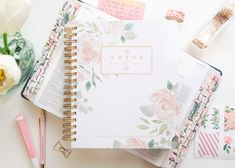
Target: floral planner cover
x,y
126,81
216,139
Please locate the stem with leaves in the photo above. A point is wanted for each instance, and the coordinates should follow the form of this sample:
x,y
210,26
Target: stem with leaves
x,y
6,49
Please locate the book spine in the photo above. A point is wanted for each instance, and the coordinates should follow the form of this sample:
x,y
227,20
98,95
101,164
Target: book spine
x,y
70,84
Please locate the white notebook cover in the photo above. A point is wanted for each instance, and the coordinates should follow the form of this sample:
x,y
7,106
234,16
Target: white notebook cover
x,y
126,78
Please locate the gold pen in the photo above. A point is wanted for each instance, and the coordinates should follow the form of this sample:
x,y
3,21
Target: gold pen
x,y
42,135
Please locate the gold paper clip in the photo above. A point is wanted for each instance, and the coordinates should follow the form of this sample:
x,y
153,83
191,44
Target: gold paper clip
x,y
59,148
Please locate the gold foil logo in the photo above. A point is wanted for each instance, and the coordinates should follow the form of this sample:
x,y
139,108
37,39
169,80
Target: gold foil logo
x,y
126,59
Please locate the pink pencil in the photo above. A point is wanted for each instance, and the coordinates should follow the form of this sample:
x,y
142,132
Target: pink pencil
x,y
27,140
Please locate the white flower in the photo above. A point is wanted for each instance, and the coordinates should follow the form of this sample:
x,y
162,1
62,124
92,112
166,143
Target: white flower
x,y
13,14
9,73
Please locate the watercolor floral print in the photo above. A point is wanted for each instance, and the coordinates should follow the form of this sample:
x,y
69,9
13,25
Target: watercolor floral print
x,y
212,119
227,147
158,116
229,119
215,119
133,143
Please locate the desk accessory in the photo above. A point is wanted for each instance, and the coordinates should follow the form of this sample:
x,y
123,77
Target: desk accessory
x,y
123,9
27,140
42,136
119,59
204,37
60,148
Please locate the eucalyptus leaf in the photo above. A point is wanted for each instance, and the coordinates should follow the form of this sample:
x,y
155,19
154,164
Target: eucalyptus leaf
x,y
145,121
66,18
96,29
143,127
157,121
153,131
169,85
146,111
129,26
123,38
130,35
162,129
151,143
88,85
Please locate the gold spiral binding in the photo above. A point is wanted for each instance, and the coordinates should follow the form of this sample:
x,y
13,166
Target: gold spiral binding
x,y
69,84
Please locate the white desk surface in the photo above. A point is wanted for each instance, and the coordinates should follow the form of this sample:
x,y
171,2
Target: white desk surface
x,y
12,151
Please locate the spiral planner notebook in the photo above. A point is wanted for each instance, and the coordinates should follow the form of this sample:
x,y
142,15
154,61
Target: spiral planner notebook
x,y
114,73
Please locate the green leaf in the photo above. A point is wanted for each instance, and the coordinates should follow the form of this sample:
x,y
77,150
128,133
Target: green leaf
x,y
130,35
143,127
151,144
129,26
145,121
96,29
93,79
155,130
157,121
2,51
227,150
225,146
66,18
123,38
163,128
88,85
169,85
146,111
227,111
97,77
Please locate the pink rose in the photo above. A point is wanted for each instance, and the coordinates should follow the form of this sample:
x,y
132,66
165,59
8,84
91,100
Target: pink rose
x,y
230,123
82,74
89,50
135,143
164,104
228,140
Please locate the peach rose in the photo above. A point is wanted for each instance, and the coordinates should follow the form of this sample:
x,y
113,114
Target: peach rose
x,y
164,104
135,143
230,123
89,50
228,140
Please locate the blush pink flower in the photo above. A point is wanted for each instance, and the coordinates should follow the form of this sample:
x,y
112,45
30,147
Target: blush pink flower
x,y
164,104
230,120
82,75
228,140
135,143
89,50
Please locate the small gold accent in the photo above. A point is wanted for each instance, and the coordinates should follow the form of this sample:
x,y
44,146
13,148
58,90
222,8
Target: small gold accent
x,y
58,147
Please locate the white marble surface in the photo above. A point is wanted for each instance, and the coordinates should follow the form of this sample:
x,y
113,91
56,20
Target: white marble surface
x,y
221,54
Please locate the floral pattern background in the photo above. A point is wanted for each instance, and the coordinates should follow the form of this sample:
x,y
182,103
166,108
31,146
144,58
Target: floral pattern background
x,y
90,35
221,120
159,114
229,118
